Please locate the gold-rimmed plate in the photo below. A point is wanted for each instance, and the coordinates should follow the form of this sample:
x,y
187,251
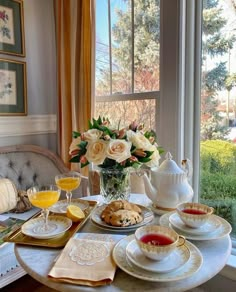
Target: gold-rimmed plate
x,y
147,215
61,225
188,269
175,260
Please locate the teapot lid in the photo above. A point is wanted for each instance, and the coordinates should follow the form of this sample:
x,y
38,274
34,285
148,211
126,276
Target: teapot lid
x,y
169,166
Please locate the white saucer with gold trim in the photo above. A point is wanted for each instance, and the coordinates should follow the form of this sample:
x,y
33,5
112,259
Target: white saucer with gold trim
x,y
175,260
188,269
211,225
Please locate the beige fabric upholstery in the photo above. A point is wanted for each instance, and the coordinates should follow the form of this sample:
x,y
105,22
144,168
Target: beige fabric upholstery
x,y
29,165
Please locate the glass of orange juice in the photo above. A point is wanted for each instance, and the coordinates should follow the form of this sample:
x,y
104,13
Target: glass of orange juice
x,y
44,197
68,182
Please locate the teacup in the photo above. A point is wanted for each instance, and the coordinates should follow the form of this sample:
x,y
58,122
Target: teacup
x,y
157,242
194,215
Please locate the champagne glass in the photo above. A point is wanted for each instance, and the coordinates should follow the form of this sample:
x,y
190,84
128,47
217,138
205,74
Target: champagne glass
x,y
44,197
68,182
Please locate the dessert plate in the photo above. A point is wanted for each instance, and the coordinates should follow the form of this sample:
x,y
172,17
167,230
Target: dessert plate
x,y
175,260
210,226
96,218
59,207
61,222
188,269
224,229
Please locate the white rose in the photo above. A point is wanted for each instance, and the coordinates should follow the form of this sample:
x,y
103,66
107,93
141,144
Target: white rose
x,y
74,145
96,151
119,150
155,157
92,134
139,140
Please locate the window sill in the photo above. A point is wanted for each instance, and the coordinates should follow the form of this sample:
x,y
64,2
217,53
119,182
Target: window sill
x,y
229,271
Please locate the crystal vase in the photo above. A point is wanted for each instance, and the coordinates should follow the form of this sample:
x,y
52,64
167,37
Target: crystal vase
x,y
115,184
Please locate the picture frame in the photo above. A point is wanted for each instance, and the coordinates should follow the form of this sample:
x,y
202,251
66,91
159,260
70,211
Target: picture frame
x,y
13,93
12,37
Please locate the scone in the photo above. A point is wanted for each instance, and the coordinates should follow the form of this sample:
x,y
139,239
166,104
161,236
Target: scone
x,y
123,218
119,205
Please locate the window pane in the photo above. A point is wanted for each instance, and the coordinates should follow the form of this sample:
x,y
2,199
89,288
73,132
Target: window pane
x,y
127,46
218,135
102,49
124,112
146,45
121,35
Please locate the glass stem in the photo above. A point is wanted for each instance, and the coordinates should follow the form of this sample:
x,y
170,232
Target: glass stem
x,y
45,213
68,197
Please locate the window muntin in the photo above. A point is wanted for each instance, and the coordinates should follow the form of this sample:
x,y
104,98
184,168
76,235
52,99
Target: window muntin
x,y
127,60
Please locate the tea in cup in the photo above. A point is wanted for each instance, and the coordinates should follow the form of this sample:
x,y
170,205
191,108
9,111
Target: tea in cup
x,y
157,242
194,215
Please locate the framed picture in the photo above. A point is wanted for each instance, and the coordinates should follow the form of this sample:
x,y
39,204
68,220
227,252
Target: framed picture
x,y
13,94
12,39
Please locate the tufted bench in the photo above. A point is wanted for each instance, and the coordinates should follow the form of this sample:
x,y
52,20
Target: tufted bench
x,y
28,165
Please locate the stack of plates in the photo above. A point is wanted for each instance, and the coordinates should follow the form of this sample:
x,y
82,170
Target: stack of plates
x,y
96,219
182,263
216,227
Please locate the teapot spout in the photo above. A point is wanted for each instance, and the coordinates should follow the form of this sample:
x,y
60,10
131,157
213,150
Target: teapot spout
x,y
187,166
150,190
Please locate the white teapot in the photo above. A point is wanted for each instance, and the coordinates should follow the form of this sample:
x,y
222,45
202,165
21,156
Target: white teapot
x,y
169,184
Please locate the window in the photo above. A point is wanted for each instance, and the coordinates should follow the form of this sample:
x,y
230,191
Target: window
x,y
186,83
218,109
128,60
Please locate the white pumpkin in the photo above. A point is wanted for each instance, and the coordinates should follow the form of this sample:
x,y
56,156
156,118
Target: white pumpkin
x,y
8,195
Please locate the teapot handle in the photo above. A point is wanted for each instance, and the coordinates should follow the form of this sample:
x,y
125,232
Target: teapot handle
x,y
187,166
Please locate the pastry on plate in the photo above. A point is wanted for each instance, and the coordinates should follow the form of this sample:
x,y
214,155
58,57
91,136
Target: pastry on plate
x,y
122,213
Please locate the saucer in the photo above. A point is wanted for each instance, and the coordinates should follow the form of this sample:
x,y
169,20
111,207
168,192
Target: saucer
x,y
96,219
224,229
211,225
59,207
175,260
188,269
62,224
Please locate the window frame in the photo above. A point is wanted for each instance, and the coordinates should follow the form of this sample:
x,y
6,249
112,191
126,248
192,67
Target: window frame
x,y
133,95
191,78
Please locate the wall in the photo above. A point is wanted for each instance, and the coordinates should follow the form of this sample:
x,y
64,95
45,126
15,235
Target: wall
x,y
39,126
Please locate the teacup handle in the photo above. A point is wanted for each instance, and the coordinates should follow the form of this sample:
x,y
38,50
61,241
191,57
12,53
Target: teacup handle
x,y
212,209
181,240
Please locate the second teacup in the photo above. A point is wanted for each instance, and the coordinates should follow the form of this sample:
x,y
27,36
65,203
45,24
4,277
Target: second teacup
x,y
157,242
194,214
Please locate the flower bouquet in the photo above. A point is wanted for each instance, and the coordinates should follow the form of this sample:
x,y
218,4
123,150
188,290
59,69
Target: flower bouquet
x,y
115,152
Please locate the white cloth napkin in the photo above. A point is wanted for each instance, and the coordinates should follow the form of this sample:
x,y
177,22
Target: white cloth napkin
x,y
86,261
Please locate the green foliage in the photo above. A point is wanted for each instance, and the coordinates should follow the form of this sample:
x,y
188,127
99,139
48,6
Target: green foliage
x,y
218,157
212,129
223,209
230,81
212,21
218,178
217,186
215,79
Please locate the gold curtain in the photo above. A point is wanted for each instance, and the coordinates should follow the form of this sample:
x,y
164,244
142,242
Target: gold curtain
x,y
74,21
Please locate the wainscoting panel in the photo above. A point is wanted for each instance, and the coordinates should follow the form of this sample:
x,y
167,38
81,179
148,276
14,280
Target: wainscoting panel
x,y
27,125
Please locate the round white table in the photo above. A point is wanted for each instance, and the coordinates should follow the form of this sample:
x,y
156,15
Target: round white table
x,y
38,261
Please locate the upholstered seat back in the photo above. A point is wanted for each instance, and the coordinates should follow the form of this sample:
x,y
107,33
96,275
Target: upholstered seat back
x,y
27,169
29,165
